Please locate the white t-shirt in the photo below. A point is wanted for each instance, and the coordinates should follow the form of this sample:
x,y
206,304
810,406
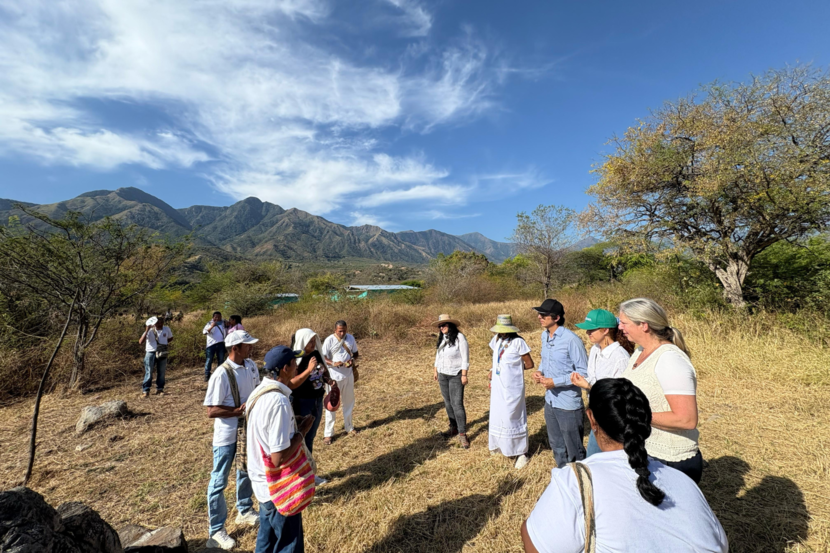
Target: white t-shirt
x,y
451,360
219,393
676,374
271,426
216,334
335,353
606,363
624,520
164,337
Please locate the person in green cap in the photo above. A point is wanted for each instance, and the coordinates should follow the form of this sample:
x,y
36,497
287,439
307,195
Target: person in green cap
x,y
608,357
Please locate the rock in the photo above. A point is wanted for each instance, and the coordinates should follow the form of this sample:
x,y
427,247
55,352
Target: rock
x,y
137,539
82,447
30,525
93,415
88,529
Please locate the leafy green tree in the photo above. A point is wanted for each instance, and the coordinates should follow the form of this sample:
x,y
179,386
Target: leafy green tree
x,y
325,284
723,174
450,275
104,265
543,238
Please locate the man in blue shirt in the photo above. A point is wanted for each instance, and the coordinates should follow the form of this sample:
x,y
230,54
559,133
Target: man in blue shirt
x,y
562,354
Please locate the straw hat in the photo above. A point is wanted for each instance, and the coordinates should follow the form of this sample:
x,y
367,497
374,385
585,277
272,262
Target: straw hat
x,y
504,324
444,318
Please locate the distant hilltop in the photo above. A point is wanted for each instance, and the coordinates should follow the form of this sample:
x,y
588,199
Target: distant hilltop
x,y
252,228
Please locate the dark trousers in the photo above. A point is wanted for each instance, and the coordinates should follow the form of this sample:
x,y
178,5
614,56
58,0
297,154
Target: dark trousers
x,y
453,392
309,406
277,533
217,350
565,431
693,467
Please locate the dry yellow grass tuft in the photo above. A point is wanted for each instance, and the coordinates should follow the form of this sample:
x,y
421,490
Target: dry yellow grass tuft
x,y
399,487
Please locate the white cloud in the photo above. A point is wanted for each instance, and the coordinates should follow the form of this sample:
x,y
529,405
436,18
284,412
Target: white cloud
x,y
284,117
360,219
417,20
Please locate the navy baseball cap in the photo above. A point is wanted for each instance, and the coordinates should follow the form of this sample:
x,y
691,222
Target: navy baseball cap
x,y
278,357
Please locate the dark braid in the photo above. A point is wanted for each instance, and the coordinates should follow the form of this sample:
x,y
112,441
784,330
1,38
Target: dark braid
x,y
622,411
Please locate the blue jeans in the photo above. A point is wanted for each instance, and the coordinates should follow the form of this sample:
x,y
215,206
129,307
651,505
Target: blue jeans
x,y
693,468
565,432
150,362
217,350
217,509
278,533
309,406
593,446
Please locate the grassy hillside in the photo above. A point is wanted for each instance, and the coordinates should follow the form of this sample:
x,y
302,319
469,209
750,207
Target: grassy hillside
x,y
764,393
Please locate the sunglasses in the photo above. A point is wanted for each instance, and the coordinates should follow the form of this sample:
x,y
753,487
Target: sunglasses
x,y
442,325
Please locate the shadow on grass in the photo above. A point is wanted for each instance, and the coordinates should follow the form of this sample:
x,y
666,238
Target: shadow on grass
x,y
769,517
426,413
532,404
395,464
446,527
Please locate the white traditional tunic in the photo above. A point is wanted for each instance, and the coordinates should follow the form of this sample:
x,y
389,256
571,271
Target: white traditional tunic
x,y
508,413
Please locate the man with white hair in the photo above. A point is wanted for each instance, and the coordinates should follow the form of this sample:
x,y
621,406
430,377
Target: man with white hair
x,y
228,390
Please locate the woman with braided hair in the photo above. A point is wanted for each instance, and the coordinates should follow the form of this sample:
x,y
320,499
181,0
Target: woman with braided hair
x,y
622,500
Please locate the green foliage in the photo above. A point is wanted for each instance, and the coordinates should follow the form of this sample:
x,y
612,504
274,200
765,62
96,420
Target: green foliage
x,y
325,284
246,299
415,283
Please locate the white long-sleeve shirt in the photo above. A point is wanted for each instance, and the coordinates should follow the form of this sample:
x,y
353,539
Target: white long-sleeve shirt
x,y
451,360
606,363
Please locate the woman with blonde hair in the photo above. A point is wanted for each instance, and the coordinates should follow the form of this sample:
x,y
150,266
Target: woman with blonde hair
x,y
661,367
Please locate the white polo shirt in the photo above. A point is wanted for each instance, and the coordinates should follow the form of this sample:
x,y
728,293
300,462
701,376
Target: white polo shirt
x,y
335,353
625,521
219,393
216,334
150,343
271,426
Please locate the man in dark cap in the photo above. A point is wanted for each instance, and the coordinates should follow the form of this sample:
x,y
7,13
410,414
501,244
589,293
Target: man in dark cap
x,y
562,354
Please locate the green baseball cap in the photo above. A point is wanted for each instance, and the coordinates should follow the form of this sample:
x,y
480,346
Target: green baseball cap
x,y
598,318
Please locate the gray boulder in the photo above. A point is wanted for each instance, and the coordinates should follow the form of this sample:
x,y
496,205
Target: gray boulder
x,y
30,525
92,415
137,539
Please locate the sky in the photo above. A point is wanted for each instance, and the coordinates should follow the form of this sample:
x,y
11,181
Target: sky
x,y
407,114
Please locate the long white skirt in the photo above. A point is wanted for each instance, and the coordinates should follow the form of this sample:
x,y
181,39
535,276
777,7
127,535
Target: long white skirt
x,y
508,416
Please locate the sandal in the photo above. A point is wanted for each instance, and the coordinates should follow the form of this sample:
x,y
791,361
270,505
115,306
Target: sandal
x,y
327,441
462,439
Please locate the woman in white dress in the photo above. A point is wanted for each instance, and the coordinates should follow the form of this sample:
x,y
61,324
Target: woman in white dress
x,y
508,412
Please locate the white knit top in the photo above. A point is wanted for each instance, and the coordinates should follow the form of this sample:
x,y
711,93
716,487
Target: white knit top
x,y
665,445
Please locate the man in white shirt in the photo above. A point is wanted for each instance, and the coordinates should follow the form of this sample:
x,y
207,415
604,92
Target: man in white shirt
x,y
340,352
273,431
216,333
155,334
227,411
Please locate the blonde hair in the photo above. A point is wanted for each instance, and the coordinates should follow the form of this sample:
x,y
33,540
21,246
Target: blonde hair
x,y
644,310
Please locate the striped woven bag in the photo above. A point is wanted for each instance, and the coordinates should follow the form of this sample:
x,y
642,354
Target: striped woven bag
x,y
290,485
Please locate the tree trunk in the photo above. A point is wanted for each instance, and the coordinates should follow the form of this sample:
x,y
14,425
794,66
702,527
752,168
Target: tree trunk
x,y
78,352
732,277
33,435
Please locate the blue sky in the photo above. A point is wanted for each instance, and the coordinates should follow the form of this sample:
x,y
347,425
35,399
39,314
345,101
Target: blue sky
x,y
410,114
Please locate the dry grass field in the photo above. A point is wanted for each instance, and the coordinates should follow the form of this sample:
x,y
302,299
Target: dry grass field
x,y
397,486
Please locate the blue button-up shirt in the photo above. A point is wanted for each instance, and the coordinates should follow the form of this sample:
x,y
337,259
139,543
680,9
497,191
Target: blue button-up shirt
x,y
563,353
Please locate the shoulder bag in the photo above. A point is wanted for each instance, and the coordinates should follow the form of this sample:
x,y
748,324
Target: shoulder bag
x,y
290,485
161,349
586,490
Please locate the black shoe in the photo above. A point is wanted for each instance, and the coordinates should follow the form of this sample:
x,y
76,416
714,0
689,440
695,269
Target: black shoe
x,y
207,378
450,432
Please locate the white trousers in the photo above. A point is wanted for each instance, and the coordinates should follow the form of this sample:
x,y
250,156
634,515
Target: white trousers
x,y
346,404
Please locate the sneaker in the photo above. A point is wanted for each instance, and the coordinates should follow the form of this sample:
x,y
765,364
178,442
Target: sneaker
x,y
251,518
327,440
450,432
145,395
222,540
521,462
159,392
319,481
462,439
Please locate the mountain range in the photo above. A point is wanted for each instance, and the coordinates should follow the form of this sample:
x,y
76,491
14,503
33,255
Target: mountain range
x,y
253,228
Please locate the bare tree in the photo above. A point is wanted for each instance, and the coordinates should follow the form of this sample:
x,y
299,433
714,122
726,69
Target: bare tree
x,y
543,237
104,265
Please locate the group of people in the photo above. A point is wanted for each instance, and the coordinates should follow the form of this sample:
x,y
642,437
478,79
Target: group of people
x,y
635,487
271,445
